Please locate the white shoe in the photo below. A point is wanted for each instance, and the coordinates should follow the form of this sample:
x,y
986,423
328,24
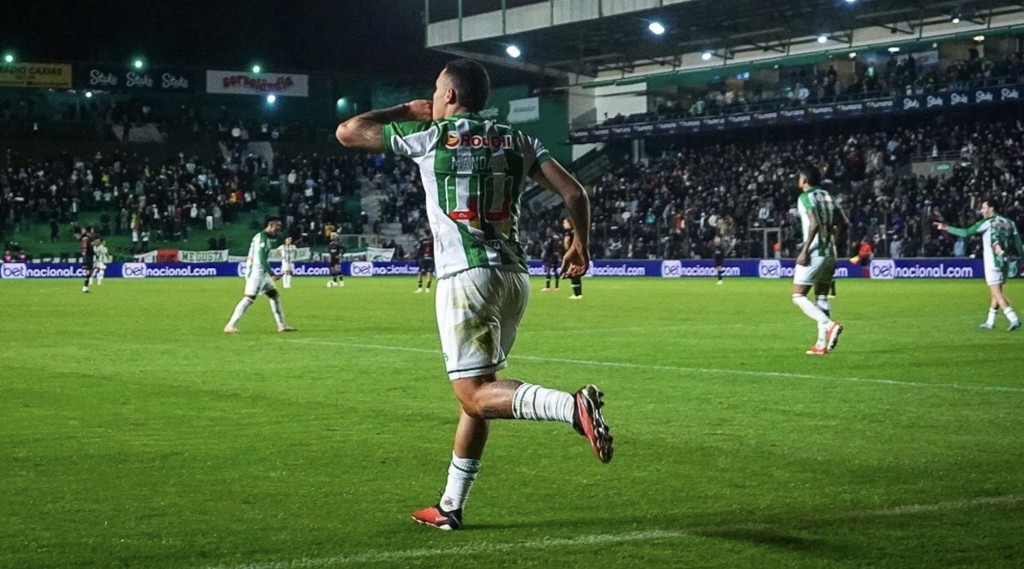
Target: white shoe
x,y
230,330
719,282
341,283
419,290
576,297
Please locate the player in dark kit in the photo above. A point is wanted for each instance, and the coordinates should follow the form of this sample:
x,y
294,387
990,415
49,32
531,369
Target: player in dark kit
x,y
718,252
552,256
567,239
88,257
425,254
335,250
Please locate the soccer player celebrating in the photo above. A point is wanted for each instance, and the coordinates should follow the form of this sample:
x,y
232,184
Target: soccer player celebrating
x,y
259,278
824,224
88,257
474,171
335,250
998,236
288,253
552,256
425,249
102,258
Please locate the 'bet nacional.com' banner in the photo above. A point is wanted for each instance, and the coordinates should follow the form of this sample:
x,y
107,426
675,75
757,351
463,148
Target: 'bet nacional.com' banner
x,y
247,83
880,269
39,75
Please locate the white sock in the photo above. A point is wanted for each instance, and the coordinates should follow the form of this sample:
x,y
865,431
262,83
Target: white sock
x,y
991,320
287,281
275,307
99,279
536,403
1010,314
240,309
823,305
812,311
461,474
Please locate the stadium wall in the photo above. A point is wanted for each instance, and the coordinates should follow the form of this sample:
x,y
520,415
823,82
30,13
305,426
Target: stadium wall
x,y
880,269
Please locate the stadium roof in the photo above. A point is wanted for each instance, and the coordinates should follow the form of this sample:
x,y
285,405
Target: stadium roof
x,y
597,39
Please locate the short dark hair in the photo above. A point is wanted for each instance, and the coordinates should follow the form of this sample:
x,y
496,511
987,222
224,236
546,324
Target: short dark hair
x,y
992,201
271,219
812,173
471,83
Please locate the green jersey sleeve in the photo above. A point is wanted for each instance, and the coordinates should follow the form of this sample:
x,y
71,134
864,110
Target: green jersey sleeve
x,y
540,153
978,227
411,138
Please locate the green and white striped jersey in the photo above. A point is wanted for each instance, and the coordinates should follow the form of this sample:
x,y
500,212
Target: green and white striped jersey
x,y
289,253
102,253
825,210
257,263
1000,238
473,172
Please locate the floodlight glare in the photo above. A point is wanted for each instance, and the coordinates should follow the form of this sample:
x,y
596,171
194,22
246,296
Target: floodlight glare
x,y
956,19
513,51
88,94
706,56
894,49
8,58
256,68
822,38
656,28
271,99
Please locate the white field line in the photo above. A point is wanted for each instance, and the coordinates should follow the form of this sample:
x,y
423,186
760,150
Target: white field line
x,y
607,539
679,369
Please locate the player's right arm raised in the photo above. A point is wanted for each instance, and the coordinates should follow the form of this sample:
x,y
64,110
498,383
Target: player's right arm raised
x,y
366,131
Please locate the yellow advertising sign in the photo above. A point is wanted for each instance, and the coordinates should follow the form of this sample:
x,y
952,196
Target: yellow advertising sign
x,y
43,75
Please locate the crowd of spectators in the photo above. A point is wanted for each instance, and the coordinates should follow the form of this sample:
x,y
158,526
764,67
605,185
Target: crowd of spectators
x,y
673,205
739,186
152,203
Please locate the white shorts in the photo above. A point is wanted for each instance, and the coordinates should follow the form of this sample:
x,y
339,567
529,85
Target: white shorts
x,y
258,284
286,266
101,266
478,315
994,275
820,270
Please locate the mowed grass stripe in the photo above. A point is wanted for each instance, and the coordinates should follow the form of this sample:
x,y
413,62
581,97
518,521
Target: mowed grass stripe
x,y
680,369
468,551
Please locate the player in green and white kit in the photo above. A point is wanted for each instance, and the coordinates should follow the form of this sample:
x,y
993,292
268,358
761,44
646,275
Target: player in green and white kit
x,y
999,237
824,224
99,247
259,278
289,252
474,172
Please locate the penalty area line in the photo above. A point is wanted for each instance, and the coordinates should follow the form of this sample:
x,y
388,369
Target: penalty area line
x,y
681,369
606,539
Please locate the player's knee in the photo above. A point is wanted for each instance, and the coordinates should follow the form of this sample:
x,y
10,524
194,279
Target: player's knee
x,y
272,294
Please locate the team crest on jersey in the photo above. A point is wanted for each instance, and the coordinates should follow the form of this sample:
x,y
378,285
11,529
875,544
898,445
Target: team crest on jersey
x,y
452,140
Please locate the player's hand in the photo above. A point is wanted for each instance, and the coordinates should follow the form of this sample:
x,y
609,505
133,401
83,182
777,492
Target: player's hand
x,y
940,226
801,259
421,110
575,262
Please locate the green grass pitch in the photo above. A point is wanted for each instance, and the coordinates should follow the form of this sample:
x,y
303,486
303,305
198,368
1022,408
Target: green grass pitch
x,y
137,434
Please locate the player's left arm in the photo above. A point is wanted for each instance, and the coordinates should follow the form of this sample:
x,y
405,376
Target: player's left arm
x,y
366,131
552,176
812,232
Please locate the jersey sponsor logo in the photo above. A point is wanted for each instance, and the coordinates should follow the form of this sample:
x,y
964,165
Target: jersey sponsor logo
x,y
13,271
361,269
884,269
452,140
133,270
671,269
769,269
